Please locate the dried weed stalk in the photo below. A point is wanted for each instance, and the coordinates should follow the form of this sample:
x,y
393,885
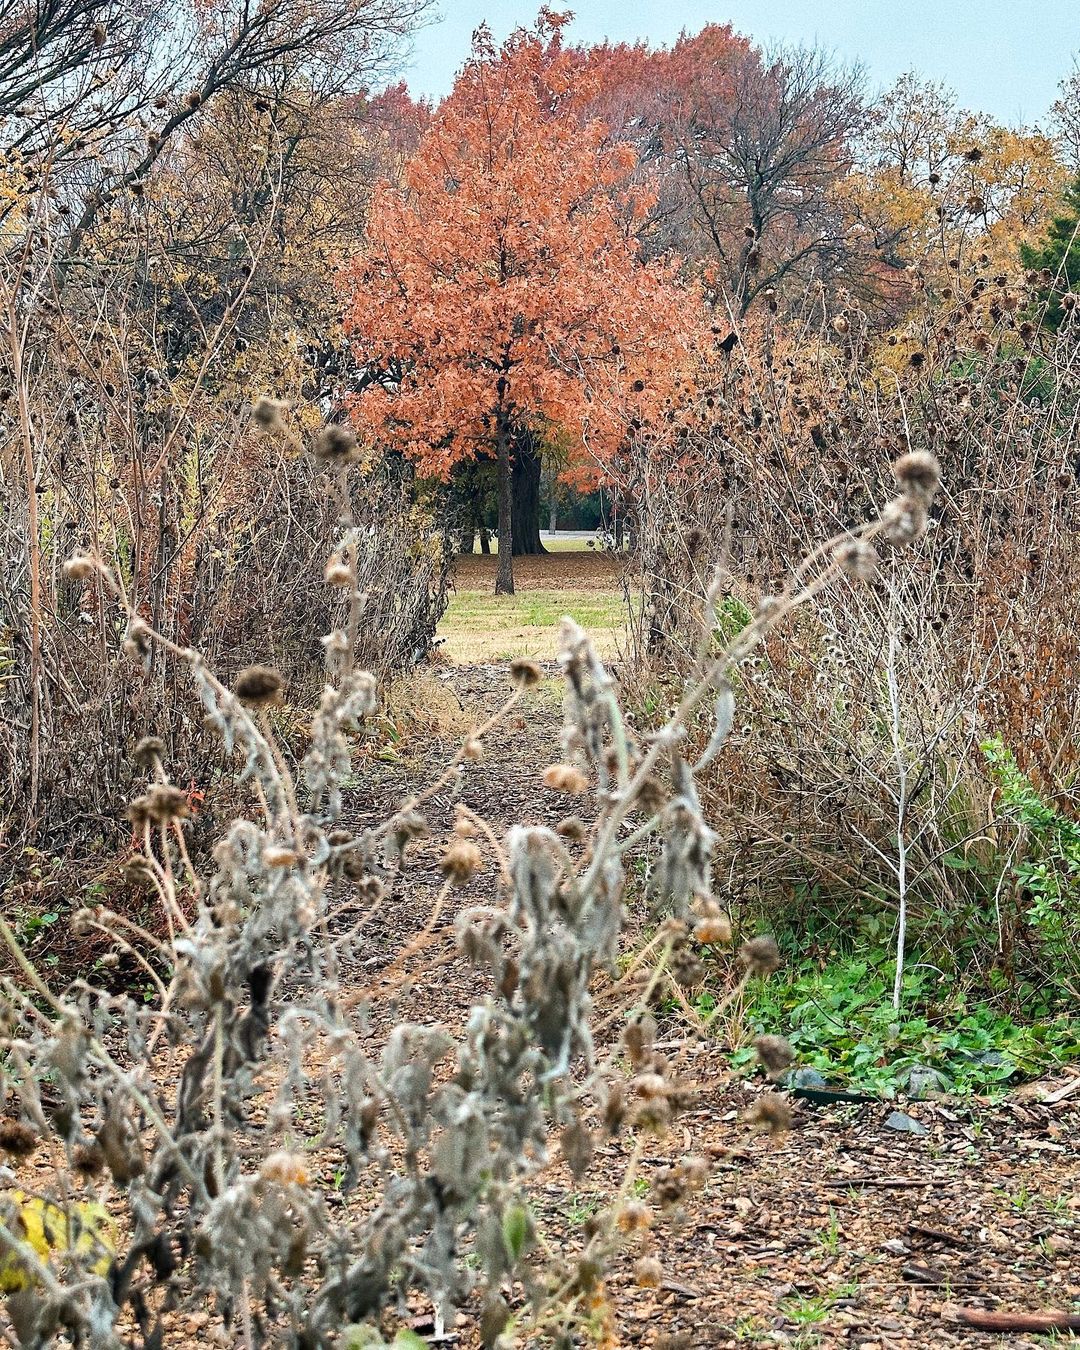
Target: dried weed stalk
x,y
210,1117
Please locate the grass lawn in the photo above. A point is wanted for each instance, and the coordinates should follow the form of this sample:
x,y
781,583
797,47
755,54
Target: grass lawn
x,y
482,626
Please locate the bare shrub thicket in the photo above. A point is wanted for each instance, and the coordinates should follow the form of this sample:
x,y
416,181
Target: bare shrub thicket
x,y
856,785
171,192
208,1117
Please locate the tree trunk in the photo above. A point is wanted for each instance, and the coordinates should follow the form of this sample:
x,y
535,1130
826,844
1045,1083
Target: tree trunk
x,y
526,496
504,576
485,540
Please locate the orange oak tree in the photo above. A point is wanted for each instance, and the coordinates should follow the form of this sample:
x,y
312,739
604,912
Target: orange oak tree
x,y
500,287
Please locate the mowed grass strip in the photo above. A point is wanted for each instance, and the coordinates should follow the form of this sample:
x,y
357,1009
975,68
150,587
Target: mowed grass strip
x,y
481,626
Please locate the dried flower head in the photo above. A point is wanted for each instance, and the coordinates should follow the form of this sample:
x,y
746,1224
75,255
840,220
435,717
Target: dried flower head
x,y
280,855
17,1138
904,520
461,861
713,931
258,686
918,473
648,1272
338,573
81,567
285,1169
336,444
473,750
149,752
651,796
634,1217
775,1054
760,955
572,828
856,559
565,778
770,1114
524,673
88,1160
137,640
266,413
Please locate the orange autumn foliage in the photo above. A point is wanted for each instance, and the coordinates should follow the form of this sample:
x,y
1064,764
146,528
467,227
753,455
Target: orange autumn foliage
x,y
500,285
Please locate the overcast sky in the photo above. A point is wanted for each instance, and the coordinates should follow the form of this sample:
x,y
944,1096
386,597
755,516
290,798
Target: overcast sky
x,y
1004,57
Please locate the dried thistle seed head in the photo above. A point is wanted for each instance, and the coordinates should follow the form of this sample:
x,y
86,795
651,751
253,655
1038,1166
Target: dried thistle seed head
x,y
338,573
137,640
856,559
81,567
461,861
761,955
904,520
634,1217
650,1085
918,473
149,752
524,673
651,796
714,931
165,803
572,828
565,778
464,825
17,1138
266,413
88,1160
841,325
775,1054
280,855
473,750
336,444
638,1037
614,1107
285,1169
258,686
648,1272
770,1114
686,968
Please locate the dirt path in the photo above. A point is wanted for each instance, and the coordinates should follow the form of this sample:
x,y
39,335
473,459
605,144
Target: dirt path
x,y
845,1232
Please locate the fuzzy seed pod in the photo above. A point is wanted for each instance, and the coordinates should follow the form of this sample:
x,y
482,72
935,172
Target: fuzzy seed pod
x,y
473,750
774,1053
648,1272
17,1138
266,413
572,828
461,861
761,955
149,752
770,1114
634,1217
565,778
524,673
903,520
856,559
918,473
80,567
336,444
258,686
